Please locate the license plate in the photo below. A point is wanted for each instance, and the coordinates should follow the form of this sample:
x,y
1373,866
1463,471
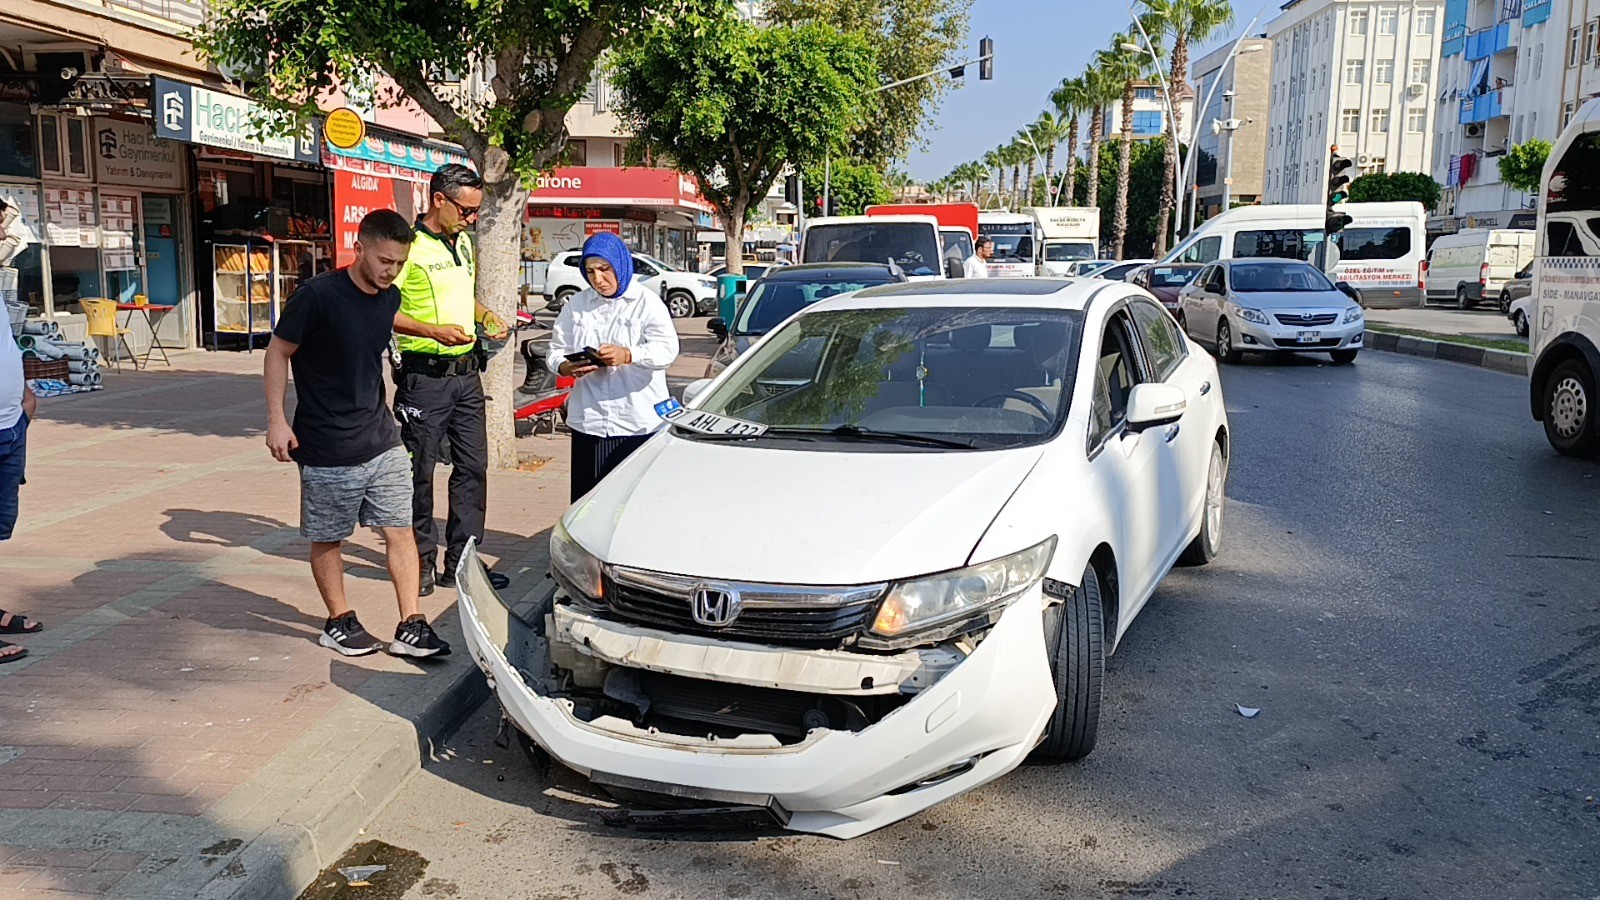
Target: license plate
x,y
707,423
1309,337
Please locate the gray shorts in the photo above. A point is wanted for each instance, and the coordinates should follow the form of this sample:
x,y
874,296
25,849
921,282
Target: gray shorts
x,y
376,493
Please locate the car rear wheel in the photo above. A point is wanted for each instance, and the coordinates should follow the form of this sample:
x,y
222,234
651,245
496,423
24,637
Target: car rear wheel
x,y
1505,302
1225,350
1074,636
1342,357
563,295
1521,322
1208,543
1462,300
680,305
1569,414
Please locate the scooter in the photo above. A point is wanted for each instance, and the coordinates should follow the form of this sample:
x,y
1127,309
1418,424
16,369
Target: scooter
x,y
543,395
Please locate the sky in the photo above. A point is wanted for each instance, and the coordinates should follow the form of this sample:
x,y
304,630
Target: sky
x,y
1037,43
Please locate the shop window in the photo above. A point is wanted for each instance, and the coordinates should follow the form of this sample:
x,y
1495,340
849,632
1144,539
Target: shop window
x,y
17,157
64,145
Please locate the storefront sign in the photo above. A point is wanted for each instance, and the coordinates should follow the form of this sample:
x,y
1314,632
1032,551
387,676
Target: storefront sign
x,y
593,228
357,193
197,115
131,155
396,152
598,185
344,129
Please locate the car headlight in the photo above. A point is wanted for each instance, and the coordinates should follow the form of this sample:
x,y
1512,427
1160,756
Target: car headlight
x,y
1251,315
937,599
1353,314
575,568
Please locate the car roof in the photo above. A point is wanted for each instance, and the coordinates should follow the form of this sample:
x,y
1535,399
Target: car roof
x,y
1263,260
819,271
1045,293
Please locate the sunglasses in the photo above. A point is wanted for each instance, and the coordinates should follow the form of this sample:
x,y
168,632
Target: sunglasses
x,y
466,212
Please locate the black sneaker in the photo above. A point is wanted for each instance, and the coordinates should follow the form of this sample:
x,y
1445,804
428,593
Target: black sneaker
x,y
415,637
345,636
499,582
425,585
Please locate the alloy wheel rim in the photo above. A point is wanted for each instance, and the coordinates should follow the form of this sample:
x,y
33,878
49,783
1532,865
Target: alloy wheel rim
x,y
1225,339
1214,499
1569,407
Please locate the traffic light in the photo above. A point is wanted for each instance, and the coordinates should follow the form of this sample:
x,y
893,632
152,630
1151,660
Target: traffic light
x,y
833,206
1338,191
791,190
986,59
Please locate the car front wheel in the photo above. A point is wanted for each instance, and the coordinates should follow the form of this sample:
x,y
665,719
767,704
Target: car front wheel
x,y
680,305
1569,420
1074,637
1342,357
1225,350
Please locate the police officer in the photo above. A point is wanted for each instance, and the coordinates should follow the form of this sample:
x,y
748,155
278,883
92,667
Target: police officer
x,y
438,394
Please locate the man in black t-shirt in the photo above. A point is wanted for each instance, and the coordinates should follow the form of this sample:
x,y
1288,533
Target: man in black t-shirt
x,y
332,334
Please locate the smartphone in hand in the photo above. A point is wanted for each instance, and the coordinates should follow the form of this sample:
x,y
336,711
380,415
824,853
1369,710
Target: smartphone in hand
x,y
587,355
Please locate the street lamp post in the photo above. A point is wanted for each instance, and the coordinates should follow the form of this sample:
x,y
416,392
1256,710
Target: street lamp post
x,y
1190,165
1038,157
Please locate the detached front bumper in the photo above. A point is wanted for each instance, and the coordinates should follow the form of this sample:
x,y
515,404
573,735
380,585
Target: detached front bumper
x,y
961,728
1276,337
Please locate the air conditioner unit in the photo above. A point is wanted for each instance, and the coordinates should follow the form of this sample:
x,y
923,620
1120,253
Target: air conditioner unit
x,y
1416,88
1475,130
1364,159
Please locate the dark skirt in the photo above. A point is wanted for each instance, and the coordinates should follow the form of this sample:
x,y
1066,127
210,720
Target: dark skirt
x,y
593,458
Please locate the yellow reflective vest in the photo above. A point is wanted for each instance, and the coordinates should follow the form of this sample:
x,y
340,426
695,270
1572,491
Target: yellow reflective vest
x,y
436,288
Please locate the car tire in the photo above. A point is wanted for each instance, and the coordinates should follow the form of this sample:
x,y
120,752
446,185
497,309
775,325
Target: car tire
x,y
563,295
1225,349
1505,302
1462,300
1569,410
680,304
1074,635
1342,357
1521,323
1208,543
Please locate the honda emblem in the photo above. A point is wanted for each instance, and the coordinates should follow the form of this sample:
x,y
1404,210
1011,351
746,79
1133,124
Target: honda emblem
x,y
715,607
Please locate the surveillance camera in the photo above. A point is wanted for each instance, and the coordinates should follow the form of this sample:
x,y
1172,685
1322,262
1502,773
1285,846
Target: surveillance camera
x,y
68,73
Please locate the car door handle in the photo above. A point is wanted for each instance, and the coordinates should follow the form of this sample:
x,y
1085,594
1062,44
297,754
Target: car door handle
x,y
1172,432
1205,388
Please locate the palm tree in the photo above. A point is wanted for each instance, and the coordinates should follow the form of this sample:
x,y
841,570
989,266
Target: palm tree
x,y
973,174
1126,66
996,159
1102,90
1049,130
1070,99
1016,152
1028,148
1186,22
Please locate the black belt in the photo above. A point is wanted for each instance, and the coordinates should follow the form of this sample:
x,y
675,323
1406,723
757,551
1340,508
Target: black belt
x,y
439,366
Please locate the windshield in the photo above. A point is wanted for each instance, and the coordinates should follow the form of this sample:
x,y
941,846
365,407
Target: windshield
x,y
656,262
1260,277
957,243
912,246
1012,243
1068,252
977,377
770,302
1171,276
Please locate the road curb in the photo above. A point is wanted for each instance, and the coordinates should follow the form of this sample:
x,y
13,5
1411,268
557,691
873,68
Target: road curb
x,y
307,806
1482,357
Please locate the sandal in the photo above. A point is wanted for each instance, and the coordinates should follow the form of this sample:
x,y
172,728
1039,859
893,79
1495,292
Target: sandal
x,y
11,657
15,624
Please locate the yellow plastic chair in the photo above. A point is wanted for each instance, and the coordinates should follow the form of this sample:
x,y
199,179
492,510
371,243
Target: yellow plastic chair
x,y
102,316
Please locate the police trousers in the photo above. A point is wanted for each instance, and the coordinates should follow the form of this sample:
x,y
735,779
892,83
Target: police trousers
x,y
442,421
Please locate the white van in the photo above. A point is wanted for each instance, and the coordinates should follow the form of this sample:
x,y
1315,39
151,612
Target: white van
x,y
1381,252
1564,331
1468,266
910,242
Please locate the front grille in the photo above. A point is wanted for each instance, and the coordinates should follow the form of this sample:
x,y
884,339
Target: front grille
x,y
1295,320
743,708
809,617
1292,344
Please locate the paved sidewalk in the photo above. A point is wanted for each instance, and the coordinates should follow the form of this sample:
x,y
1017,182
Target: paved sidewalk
x,y
176,731
1484,322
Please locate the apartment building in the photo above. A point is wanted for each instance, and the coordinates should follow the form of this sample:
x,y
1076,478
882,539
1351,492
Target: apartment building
x,y
1359,74
1239,91
1150,112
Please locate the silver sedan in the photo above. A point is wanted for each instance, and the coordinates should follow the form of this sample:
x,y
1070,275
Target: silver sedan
x,y
1272,306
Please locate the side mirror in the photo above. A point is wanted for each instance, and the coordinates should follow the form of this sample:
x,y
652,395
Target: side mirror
x,y
718,327
1350,291
953,268
1154,404
694,389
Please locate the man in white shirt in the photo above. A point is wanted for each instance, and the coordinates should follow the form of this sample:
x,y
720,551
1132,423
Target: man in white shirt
x,y
17,406
617,340
977,265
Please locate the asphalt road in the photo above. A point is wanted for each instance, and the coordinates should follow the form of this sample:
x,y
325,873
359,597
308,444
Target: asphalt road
x,y
1409,592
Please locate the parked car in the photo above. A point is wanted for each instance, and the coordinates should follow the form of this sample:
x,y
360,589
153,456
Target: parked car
x,y
785,291
1470,267
1520,285
927,548
1272,306
1519,313
685,293
1119,271
1164,281
1085,267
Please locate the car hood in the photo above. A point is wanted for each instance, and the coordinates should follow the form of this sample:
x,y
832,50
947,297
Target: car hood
x,y
787,516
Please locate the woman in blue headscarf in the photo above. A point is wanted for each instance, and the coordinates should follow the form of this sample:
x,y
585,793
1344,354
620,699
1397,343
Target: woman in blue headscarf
x,y
617,340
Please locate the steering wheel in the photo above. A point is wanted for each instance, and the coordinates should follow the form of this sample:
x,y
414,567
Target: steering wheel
x,y
1031,400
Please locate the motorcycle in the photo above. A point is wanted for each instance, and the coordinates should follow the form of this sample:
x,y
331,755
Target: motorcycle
x,y
542,396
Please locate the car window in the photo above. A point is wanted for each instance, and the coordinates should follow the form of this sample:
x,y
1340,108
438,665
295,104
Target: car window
x,y
1168,276
1281,243
1219,280
1278,277
770,302
1117,371
1205,250
575,261
1562,239
1160,336
642,267
1374,243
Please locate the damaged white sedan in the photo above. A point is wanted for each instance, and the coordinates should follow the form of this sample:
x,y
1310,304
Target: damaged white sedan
x,y
877,563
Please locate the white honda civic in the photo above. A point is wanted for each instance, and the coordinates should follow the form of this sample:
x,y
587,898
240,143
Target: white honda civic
x,y
876,563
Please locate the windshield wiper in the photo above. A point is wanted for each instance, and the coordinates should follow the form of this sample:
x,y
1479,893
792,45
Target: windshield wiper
x,y
856,432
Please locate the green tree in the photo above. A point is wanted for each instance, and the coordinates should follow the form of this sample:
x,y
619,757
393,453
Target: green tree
x,y
734,104
1396,186
1103,89
910,37
1522,168
1144,197
538,58
1071,98
1127,67
1049,130
855,186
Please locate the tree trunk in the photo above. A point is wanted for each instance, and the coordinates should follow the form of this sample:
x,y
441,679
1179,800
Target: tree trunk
x,y
1168,202
1027,190
1072,163
1180,75
1050,176
1097,130
1016,184
733,237
498,242
1119,227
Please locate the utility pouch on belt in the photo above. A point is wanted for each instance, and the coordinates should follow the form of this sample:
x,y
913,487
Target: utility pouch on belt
x,y
440,366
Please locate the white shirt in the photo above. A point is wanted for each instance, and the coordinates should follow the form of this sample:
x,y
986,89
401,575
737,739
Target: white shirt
x,y
975,267
11,381
615,401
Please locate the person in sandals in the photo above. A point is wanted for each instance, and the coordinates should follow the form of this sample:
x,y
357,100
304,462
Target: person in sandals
x,y
17,406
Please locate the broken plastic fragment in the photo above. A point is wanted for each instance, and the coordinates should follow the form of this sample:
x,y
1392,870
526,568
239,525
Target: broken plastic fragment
x,y
1249,712
357,875
887,862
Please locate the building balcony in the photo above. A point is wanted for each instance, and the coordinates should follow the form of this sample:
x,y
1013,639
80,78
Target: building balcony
x,y
1489,41
1535,11
1483,107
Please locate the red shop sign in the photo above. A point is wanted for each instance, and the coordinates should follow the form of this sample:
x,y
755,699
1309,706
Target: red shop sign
x,y
593,228
357,193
